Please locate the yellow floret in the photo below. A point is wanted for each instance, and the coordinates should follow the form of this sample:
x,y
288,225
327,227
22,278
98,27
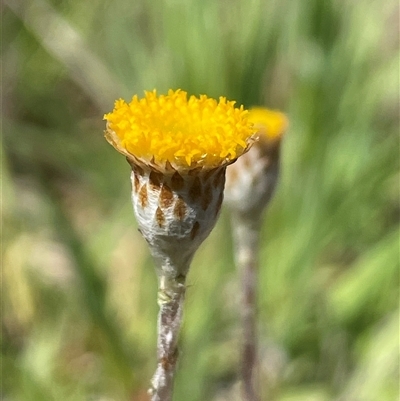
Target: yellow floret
x,y
270,123
183,131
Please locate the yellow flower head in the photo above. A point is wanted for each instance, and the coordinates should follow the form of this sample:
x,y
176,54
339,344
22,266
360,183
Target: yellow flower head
x,y
270,123
187,133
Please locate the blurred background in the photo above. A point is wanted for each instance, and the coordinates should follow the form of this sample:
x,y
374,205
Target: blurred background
x,y
79,288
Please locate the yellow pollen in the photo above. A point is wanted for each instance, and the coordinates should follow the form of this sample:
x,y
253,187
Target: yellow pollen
x,y
184,131
271,123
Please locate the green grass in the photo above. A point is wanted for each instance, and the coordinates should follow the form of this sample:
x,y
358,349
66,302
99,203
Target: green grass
x,y
78,285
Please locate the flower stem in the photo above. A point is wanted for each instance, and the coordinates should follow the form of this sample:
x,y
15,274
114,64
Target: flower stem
x,y
171,296
246,234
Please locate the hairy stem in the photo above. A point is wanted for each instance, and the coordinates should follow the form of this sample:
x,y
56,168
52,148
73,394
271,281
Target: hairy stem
x,y
171,295
246,234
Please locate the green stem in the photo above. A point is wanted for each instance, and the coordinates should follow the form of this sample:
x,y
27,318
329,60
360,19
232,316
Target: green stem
x,y
171,296
246,235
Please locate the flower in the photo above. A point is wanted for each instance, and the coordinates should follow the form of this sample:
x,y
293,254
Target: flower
x,y
183,132
251,181
271,124
178,148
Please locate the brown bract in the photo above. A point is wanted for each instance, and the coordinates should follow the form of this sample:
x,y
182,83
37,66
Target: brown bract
x,y
251,181
176,212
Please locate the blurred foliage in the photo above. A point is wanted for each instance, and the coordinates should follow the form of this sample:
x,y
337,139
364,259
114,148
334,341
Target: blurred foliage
x,y
79,289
